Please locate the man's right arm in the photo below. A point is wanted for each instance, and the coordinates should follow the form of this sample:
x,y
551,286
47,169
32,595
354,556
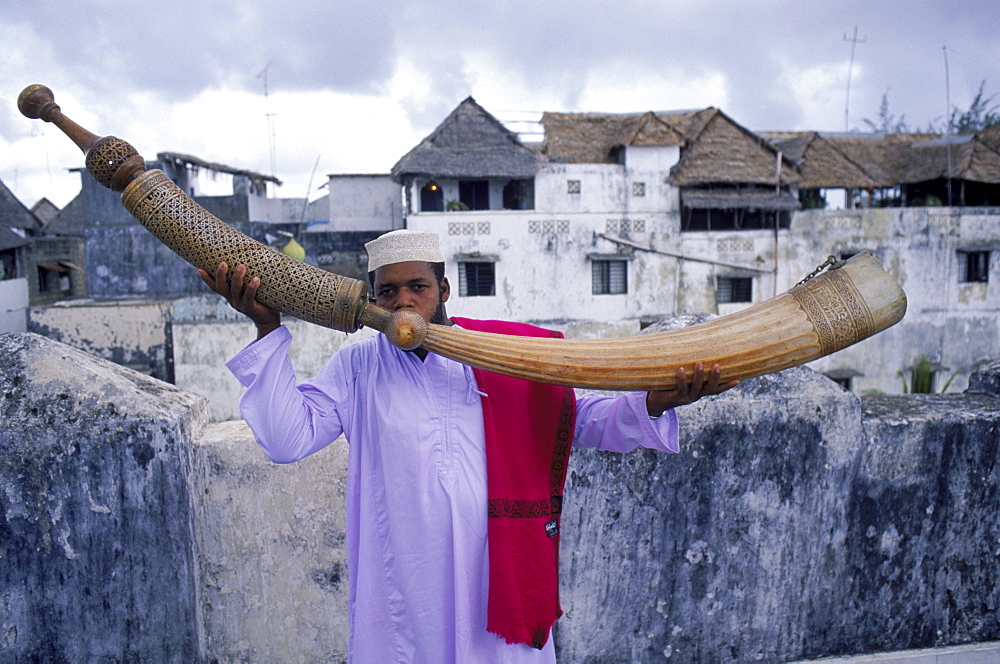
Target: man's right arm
x,y
289,421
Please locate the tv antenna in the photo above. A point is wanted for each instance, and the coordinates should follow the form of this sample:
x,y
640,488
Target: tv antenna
x,y
850,69
947,117
270,122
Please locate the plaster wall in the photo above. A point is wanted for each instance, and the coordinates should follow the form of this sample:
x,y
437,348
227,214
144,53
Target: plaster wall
x,y
543,264
799,521
272,557
202,348
364,203
133,333
957,325
95,510
14,305
276,210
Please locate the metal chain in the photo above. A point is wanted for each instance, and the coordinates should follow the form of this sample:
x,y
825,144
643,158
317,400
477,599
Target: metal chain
x,y
830,262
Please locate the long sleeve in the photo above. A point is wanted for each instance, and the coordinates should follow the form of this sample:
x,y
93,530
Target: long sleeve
x,y
289,422
620,424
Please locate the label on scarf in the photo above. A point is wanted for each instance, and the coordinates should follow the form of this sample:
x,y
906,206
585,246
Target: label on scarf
x,y
552,528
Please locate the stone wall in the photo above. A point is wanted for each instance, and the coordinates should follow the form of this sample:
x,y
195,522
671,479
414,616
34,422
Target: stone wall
x,y
95,510
799,521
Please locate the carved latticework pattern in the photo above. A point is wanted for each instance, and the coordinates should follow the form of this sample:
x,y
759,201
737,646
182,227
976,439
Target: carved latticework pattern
x,y
836,309
106,157
288,285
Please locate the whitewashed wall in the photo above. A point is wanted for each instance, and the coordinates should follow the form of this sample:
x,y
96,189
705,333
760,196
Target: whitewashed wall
x,y
13,305
363,203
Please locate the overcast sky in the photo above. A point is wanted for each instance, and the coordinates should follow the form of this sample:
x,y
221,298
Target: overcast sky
x,y
352,85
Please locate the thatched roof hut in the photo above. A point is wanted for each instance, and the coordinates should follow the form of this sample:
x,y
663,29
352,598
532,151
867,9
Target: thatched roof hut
x,y
723,152
595,138
69,220
972,159
714,148
11,240
470,143
191,162
13,213
886,157
822,164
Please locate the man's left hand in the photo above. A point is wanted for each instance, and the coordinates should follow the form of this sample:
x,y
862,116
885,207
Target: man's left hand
x,y
659,401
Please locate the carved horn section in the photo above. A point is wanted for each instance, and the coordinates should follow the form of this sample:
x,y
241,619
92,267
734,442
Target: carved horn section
x,y
832,311
199,237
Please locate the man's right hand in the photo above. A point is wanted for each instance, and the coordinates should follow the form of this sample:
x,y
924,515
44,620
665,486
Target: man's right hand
x,y
243,297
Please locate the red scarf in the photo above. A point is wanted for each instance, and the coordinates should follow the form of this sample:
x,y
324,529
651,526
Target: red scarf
x,y
529,432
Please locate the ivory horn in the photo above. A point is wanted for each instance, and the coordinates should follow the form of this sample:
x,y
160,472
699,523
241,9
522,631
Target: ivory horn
x,y
836,309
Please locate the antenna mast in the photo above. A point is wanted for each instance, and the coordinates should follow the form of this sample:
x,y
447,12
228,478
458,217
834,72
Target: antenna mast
x,y
947,118
270,122
850,70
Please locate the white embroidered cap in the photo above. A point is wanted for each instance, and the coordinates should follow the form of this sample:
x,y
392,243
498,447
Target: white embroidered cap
x,y
402,246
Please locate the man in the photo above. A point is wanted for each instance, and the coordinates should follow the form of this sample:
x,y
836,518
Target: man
x,y
454,474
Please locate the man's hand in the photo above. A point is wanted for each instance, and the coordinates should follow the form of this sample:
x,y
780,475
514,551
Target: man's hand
x,y
243,297
659,401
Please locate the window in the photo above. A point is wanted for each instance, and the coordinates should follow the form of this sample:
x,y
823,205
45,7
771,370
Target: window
x,y
432,198
476,278
610,277
53,278
572,186
734,289
847,383
475,194
703,219
973,267
519,195
638,188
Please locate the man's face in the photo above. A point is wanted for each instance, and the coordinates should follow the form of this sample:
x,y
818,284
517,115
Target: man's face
x,y
412,285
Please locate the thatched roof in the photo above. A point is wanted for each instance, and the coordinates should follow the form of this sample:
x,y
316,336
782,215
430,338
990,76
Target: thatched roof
x,y
724,152
592,138
69,221
13,213
44,210
821,162
972,158
714,148
886,157
189,161
732,199
11,240
470,143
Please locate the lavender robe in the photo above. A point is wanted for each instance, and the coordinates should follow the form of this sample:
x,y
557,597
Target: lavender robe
x,y
416,486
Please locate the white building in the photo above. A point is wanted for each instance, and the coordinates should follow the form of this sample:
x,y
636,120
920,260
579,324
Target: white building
x,y
622,219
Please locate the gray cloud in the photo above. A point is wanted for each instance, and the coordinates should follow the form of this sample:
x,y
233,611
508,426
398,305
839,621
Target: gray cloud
x,y
103,53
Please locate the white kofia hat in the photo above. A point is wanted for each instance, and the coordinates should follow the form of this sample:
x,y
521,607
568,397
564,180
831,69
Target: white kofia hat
x,y
402,246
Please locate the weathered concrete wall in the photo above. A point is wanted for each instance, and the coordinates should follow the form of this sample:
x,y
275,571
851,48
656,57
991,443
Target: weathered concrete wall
x,y
133,333
272,552
14,305
363,202
125,260
799,521
919,247
95,514
201,350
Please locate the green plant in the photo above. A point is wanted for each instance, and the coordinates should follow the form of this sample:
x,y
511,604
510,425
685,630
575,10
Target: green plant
x,y
455,206
922,376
